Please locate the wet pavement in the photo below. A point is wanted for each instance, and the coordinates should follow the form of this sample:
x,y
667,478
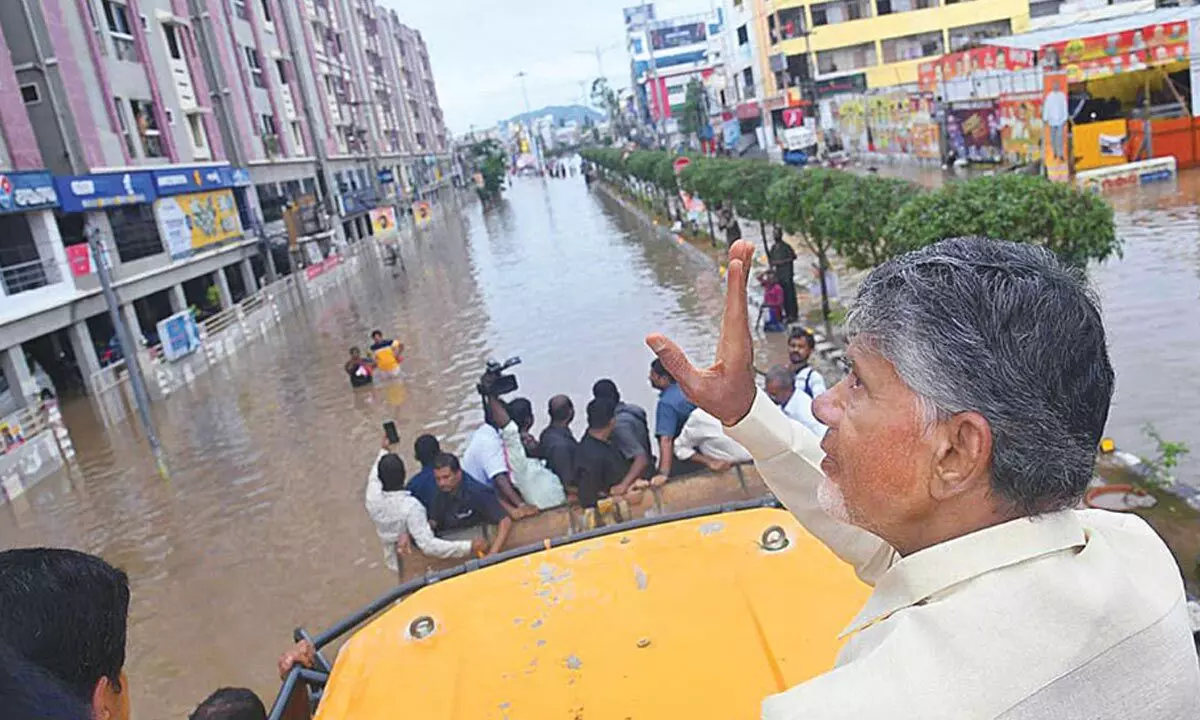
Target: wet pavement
x,y
261,526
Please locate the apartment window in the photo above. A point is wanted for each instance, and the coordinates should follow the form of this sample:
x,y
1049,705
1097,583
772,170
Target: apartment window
x,y
912,47
853,57
134,231
790,24
255,65
268,124
1042,9
743,35
31,94
747,83
239,9
266,6
298,138
147,126
840,11
171,34
973,34
117,17
124,126
196,130
887,7
421,140
170,116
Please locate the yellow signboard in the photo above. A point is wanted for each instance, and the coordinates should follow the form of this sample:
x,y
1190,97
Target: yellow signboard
x,y
1099,144
191,222
422,213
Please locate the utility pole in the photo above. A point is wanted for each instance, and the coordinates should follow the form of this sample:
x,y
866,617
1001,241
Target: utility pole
x,y
140,397
533,143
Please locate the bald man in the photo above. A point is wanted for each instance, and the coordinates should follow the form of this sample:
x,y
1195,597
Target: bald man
x,y
558,445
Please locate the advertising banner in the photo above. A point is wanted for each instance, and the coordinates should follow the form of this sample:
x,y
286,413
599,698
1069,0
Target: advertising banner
x,y
890,117
1098,144
1194,68
1100,56
179,334
422,213
191,222
974,132
850,119
1021,127
1055,114
988,58
383,222
677,36
79,257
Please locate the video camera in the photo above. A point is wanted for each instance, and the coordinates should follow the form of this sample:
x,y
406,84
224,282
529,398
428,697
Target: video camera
x,y
494,382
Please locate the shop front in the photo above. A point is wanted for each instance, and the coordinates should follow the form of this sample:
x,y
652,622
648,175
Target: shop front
x,y
31,253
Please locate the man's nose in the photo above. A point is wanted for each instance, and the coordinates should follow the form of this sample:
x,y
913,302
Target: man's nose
x,y
827,407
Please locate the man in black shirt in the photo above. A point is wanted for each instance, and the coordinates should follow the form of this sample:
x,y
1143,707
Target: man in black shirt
x,y
631,437
462,502
558,445
600,469
783,259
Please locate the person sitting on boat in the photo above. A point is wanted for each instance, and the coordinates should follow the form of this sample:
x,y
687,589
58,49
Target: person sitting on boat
x,y
463,502
948,478
486,460
781,388
422,485
386,353
557,442
536,483
600,470
801,345
703,440
631,436
670,415
395,510
359,369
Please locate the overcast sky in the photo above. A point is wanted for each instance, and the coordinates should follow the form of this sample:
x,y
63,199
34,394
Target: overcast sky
x,y
477,47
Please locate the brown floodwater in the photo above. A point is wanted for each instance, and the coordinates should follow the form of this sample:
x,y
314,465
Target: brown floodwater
x,y
261,526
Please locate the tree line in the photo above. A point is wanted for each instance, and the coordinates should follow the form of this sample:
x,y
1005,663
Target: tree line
x,y
867,219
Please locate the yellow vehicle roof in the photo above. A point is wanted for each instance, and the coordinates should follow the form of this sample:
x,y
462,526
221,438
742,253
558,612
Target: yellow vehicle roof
x,y
692,618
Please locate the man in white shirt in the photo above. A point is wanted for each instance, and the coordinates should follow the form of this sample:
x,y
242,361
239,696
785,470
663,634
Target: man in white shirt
x,y
485,460
954,457
704,440
781,388
538,485
395,511
801,344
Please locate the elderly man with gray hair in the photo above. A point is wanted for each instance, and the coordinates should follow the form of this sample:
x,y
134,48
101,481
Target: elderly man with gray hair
x,y
958,448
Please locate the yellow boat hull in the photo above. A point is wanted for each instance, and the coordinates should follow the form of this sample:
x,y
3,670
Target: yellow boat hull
x,y
690,619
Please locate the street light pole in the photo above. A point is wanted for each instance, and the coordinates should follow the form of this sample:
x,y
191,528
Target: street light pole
x,y
140,397
533,143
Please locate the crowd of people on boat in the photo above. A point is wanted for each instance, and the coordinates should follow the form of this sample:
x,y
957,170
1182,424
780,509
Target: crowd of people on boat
x,y
506,473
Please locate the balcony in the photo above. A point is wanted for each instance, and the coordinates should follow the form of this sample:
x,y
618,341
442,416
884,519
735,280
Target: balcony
x,y
887,7
840,11
913,47
124,48
855,57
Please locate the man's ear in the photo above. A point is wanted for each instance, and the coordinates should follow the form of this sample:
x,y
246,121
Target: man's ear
x,y
962,456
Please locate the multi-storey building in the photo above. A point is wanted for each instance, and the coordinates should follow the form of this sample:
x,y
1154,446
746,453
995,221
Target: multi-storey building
x,y
130,118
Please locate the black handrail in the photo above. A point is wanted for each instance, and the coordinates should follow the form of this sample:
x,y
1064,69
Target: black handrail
x,y
403,590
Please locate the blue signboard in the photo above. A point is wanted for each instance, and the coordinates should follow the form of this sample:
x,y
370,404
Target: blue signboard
x,y
386,176
358,201
79,193
25,191
179,335
732,132
241,176
183,180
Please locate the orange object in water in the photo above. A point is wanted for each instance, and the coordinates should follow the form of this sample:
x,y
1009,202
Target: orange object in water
x,y
701,617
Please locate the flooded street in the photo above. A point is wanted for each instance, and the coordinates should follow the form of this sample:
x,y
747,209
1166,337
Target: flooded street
x,y
262,528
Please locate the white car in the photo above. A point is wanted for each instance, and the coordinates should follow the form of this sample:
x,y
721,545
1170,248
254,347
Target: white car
x,y
45,388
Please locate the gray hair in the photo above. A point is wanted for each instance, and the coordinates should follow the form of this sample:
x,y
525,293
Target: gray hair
x,y
1009,332
781,374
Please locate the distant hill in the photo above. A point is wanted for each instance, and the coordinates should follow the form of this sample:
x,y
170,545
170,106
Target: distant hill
x,y
562,114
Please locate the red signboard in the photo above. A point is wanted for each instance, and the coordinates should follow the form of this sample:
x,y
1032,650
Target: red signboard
x,y
1104,55
748,110
989,58
793,117
79,257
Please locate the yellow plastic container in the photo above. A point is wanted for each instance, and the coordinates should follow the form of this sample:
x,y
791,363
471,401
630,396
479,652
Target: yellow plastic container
x,y
688,619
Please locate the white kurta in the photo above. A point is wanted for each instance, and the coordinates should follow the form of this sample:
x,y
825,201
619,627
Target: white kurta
x,y
1073,615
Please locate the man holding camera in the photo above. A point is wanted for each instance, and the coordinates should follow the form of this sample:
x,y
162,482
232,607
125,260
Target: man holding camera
x,y
485,458
537,484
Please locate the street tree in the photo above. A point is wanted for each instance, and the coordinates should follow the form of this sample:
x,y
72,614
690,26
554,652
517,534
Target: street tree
x,y
857,214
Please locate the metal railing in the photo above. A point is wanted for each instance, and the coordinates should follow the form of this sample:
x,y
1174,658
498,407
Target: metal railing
x,y
29,275
316,679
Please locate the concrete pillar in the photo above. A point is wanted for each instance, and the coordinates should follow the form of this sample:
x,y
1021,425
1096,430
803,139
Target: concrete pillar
x,y
179,301
19,376
85,352
44,229
248,278
272,270
130,316
223,289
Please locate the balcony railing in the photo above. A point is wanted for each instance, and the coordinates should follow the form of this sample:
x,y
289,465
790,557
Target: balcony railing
x,y
32,275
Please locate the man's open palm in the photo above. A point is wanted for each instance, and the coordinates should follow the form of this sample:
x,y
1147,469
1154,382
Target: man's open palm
x,y
726,389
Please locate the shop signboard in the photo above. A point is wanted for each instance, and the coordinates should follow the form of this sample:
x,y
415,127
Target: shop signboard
x,y
240,176
856,83
1127,175
80,193
422,213
974,132
675,36
26,191
850,119
1055,114
79,258
1021,127
986,59
383,222
180,181
179,334
927,75
386,176
1099,144
731,131
1100,56
190,222
792,117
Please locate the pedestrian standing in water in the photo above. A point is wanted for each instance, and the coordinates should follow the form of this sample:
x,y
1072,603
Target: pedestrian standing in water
x,y
772,302
359,369
727,221
783,262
